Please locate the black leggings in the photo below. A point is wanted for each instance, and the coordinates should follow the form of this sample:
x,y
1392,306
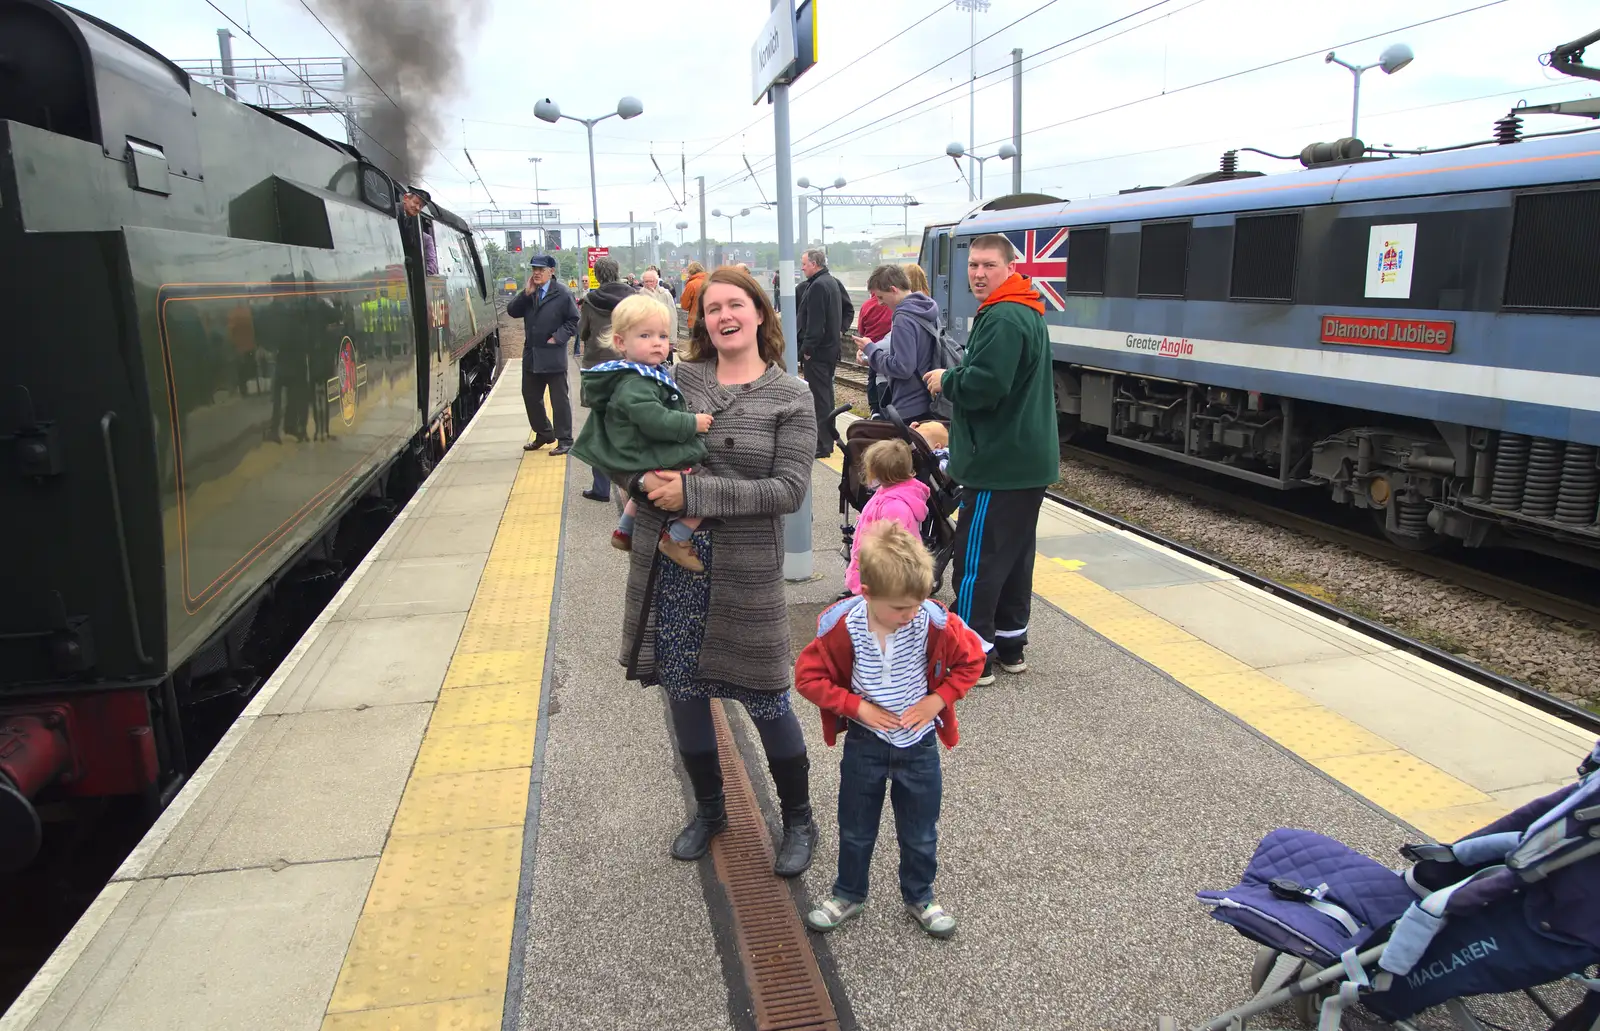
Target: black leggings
x,y
780,738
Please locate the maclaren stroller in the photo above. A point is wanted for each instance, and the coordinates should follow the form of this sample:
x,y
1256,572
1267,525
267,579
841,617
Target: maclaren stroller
x,y
944,494
1509,908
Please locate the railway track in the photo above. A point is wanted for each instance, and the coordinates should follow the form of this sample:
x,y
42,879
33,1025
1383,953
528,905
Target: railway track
x,y
1528,596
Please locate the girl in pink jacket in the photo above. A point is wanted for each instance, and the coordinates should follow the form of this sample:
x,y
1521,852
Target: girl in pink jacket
x,y
898,497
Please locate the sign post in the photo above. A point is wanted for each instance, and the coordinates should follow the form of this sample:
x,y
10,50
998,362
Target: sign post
x,y
595,254
775,61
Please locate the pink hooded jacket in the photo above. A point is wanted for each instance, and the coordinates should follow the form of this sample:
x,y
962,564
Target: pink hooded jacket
x,y
906,503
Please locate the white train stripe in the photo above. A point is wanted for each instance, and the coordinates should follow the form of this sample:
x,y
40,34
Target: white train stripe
x,y
1528,386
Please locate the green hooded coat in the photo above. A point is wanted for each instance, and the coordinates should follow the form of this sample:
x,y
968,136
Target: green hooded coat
x,y
637,421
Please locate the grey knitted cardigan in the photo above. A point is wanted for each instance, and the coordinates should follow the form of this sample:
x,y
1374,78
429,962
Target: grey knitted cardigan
x,y
759,456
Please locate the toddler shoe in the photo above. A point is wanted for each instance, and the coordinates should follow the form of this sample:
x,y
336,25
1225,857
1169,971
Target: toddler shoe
x,y
681,553
932,918
621,541
833,912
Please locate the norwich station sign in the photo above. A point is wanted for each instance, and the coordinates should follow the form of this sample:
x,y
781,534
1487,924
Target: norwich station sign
x,y
786,47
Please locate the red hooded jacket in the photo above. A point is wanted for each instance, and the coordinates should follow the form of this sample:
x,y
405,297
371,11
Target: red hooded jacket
x,y
822,674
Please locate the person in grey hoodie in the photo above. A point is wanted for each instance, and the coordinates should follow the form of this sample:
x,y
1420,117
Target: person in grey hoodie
x,y
901,358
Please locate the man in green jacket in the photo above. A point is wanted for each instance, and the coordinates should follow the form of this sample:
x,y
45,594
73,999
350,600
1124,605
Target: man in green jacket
x,y
1004,450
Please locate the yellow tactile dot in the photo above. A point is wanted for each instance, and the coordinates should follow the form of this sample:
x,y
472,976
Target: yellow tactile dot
x,y
482,1013
463,801
1062,586
426,955
1246,693
495,605
461,868
475,669
483,746
1455,823
496,703
1194,658
1136,633
1316,733
478,638
1401,783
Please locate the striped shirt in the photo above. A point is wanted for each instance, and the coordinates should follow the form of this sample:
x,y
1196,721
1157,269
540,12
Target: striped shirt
x,y
893,677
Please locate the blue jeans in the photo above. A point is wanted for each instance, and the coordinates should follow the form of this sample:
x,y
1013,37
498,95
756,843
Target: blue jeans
x,y
914,792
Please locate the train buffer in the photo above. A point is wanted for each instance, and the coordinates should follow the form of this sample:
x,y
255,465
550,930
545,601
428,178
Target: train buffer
x,y
448,809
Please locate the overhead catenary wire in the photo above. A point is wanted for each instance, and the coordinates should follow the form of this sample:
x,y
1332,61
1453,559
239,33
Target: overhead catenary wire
x,y
378,84
868,128
297,77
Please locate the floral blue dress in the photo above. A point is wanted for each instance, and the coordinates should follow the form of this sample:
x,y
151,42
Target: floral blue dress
x,y
682,599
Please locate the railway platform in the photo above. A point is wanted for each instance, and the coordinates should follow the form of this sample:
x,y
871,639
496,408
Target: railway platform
x,y
447,809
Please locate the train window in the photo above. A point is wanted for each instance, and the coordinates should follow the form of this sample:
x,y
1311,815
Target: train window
x,y
1554,263
1086,261
1163,259
1265,248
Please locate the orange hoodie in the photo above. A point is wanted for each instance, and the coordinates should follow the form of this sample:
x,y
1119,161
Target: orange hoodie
x,y
1018,289
691,296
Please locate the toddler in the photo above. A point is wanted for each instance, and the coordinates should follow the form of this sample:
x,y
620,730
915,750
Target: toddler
x,y
637,420
897,496
938,438
894,713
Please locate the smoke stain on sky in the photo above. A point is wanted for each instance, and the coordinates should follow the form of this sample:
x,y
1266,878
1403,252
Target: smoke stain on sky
x,y
413,49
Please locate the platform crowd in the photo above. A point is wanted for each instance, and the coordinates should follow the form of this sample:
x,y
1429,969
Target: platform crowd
x,y
888,663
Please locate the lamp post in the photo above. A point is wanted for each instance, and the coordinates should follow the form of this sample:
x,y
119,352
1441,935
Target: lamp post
x,y
681,227
548,110
805,184
956,150
730,216
537,203
973,8
1394,57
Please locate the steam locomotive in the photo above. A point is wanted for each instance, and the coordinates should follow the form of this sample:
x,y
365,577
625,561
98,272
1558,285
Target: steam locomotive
x,y
223,331
1413,334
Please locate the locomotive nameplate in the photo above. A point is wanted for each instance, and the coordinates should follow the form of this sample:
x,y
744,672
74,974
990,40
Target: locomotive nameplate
x,y
1405,334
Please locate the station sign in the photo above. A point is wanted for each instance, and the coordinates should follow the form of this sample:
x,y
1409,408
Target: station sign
x,y
594,255
786,47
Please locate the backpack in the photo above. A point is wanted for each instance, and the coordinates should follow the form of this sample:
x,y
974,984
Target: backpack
x,y
948,353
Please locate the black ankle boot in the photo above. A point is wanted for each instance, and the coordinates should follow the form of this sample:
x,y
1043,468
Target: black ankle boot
x,y
710,818
792,778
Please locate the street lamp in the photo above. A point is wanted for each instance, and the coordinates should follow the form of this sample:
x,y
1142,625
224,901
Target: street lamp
x,y
548,110
730,216
681,227
956,150
805,184
1395,57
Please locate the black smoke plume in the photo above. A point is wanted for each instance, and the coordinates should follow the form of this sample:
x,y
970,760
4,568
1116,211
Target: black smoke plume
x,y
412,49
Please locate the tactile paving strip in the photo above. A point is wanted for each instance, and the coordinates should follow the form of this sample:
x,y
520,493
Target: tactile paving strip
x,y
432,946
786,986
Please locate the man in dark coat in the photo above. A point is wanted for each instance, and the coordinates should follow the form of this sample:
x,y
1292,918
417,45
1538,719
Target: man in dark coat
x,y
549,323
823,312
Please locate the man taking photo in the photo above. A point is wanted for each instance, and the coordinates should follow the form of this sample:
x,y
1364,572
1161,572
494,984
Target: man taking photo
x,y
1003,449
549,322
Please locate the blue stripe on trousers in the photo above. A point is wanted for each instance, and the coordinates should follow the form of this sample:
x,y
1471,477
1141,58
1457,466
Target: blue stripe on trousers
x,y
969,579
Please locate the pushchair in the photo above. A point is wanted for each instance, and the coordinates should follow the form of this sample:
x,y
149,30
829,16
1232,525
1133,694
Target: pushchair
x,y
1509,908
944,495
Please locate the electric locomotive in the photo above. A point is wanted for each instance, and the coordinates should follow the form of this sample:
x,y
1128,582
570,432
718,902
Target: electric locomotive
x,y
1414,334
222,330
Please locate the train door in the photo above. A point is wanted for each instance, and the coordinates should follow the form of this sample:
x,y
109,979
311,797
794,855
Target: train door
x,y
934,258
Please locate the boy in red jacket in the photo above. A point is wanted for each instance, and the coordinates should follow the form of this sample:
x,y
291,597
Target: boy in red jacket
x,y
889,666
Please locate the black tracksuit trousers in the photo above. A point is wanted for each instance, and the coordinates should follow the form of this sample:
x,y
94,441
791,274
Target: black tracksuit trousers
x,y
993,566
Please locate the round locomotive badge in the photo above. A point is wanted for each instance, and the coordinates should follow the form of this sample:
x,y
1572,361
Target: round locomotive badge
x,y
347,380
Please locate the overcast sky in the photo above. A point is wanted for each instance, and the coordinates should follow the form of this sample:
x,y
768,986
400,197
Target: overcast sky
x,y
690,65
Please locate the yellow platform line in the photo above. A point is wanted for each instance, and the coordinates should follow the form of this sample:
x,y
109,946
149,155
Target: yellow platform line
x,y
1387,775
433,943
1391,778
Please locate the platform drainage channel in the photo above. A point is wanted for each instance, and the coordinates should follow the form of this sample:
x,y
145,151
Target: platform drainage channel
x,y
785,984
